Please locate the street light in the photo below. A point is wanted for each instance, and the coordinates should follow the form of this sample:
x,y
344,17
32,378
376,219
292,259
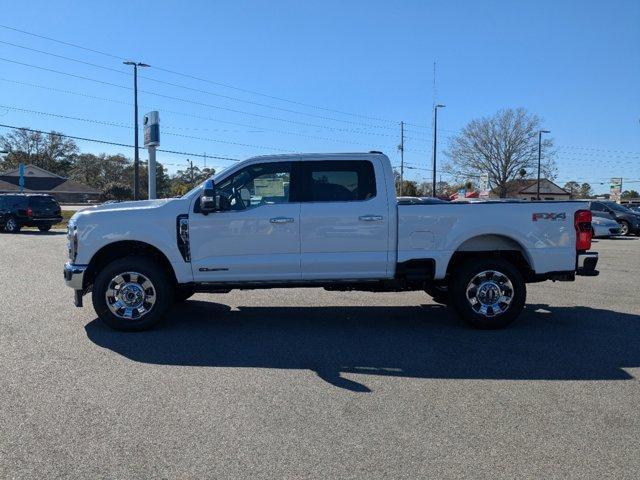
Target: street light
x,y
435,141
539,158
136,157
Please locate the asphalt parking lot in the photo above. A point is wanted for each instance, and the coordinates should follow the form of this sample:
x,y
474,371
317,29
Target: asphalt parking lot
x,y
314,384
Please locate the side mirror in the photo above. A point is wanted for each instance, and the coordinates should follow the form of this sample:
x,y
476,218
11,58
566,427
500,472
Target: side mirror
x,y
208,198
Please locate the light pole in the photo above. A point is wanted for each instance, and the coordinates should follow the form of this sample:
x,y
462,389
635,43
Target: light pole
x,y
401,148
435,143
539,158
136,156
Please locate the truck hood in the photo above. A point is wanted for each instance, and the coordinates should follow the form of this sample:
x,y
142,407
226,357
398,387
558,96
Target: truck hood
x,y
134,207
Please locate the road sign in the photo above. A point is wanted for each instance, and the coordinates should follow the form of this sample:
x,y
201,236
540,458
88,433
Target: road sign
x,y
615,191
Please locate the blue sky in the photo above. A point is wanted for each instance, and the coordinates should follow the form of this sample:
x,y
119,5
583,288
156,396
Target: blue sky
x,y
575,64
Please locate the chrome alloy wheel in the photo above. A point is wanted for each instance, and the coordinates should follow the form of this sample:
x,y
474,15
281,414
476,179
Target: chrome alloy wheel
x,y
624,229
11,225
490,293
130,295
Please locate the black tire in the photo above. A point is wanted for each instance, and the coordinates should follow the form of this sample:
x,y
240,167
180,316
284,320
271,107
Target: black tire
x,y
182,294
11,225
44,228
625,228
439,293
162,288
462,279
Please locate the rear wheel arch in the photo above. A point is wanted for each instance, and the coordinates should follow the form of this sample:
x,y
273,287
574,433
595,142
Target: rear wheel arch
x,y
122,249
492,246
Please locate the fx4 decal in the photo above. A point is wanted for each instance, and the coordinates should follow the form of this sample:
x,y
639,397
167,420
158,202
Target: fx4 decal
x,y
549,216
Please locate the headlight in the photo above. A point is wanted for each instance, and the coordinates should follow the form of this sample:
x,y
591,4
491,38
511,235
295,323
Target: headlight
x,y
72,241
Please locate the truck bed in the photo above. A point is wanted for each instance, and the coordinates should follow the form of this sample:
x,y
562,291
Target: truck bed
x,y
543,231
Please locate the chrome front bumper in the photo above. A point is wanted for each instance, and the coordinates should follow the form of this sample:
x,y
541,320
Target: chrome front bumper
x,y
74,275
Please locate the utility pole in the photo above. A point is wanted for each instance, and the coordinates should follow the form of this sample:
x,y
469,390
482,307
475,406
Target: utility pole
x,y
136,155
401,148
539,159
205,159
435,143
191,169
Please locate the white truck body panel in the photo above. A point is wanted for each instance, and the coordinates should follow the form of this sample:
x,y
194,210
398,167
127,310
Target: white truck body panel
x,y
246,245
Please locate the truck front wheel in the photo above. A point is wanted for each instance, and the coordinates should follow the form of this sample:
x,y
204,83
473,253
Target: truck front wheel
x,y
488,293
132,294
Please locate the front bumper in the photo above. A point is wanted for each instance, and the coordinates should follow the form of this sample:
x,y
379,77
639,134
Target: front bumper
x,y
586,264
74,275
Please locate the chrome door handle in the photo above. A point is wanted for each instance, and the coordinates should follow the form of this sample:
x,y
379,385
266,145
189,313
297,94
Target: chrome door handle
x,y
370,218
281,220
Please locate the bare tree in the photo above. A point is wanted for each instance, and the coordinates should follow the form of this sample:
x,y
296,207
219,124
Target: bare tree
x,y
501,146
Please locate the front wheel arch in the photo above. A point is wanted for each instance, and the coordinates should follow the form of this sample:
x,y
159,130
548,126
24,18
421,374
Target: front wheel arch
x,y
121,249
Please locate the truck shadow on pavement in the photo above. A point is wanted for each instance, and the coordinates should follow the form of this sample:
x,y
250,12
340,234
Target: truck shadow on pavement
x,y
428,341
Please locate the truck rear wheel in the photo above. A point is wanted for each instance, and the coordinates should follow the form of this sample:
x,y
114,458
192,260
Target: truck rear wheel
x,y
488,293
132,294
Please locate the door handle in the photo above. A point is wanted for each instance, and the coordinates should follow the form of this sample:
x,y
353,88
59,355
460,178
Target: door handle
x,y
371,218
281,220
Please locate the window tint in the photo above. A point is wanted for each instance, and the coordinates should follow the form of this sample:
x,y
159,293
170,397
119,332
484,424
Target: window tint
x,y
42,202
260,184
598,207
339,181
15,201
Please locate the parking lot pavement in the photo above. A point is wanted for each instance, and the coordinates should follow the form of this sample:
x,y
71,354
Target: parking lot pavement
x,y
315,384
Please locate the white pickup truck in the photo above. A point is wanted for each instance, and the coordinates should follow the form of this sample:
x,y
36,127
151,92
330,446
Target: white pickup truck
x,y
320,220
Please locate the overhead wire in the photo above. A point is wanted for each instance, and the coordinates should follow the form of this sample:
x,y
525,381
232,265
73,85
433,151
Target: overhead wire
x,y
194,77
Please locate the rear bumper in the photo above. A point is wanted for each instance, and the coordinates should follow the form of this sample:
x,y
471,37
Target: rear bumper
x,y
36,222
586,264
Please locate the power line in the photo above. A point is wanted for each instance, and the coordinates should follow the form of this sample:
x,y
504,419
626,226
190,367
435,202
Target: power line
x,y
166,130
193,77
184,100
108,142
176,85
201,117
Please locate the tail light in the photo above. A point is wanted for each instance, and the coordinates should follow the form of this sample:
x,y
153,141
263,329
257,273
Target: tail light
x,y
584,230
29,212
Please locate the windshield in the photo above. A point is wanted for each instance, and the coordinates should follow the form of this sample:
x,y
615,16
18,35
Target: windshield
x,y
215,176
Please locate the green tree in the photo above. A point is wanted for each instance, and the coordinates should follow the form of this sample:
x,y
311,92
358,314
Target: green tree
x,y
627,194
50,151
586,191
117,191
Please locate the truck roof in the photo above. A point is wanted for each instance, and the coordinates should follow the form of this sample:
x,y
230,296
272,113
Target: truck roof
x,y
316,156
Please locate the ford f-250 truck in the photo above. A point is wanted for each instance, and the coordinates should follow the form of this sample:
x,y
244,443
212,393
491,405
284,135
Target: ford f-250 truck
x,y
320,220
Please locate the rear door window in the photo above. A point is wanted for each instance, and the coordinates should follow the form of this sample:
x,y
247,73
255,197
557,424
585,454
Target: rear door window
x,y
338,181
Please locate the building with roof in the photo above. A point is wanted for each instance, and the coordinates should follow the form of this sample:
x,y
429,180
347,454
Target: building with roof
x,y
39,180
526,189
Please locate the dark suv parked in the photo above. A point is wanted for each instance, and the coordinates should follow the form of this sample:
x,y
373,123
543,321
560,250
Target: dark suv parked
x,y
629,221
28,210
